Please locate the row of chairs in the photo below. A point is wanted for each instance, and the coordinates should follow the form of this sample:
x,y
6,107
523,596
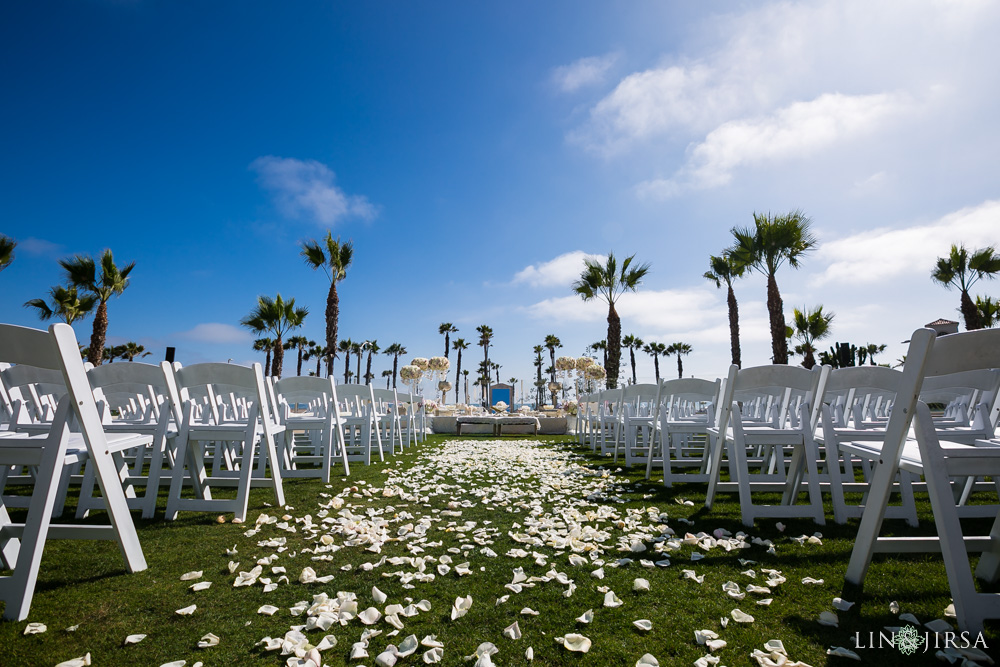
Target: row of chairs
x,y
849,433
122,431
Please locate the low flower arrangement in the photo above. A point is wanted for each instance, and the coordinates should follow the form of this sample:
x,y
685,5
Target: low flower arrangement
x,y
501,407
430,406
571,407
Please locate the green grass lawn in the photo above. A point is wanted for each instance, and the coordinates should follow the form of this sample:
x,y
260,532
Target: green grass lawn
x,y
476,499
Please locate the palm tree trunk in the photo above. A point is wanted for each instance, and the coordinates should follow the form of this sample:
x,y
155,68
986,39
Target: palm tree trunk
x,y
357,375
267,363
368,369
631,354
552,357
332,316
446,343
395,367
809,361
614,346
99,334
734,327
680,367
279,358
458,373
775,310
971,314
298,366
319,358
347,365
656,365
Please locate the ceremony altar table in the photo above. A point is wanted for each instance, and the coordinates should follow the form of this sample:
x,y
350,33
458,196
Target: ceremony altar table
x,y
497,422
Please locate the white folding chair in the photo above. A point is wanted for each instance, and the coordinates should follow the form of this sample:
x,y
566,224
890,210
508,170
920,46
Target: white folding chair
x,y
926,357
310,413
688,412
238,423
788,398
386,402
21,544
639,422
134,398
359,425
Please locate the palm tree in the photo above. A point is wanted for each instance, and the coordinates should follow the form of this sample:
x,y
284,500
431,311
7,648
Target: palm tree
x,y
608,283
131,350
387,374
333,257
680,349
772,241
724,269
7,245
539,383
276,317
81,272
299,343
346,346
632,342
395,351
356,349
963,269
446,329
458,344
655,350
989,311
372,347
870,350
809,327
113,352
316,352
265,345
551,343
66,304
485,337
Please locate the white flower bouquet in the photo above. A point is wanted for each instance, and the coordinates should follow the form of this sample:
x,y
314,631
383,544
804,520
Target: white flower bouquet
x,y
411,373
420,363
438,364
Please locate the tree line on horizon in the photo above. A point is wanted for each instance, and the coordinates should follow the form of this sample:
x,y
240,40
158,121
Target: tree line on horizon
x,y
772,241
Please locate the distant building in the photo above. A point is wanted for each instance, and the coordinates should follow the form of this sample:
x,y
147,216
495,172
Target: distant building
x,y
943,327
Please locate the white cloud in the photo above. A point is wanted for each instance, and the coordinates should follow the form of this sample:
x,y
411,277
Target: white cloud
x,y
561,271
306,188
584,72
215,332
798,131
876,256
759,61
39,247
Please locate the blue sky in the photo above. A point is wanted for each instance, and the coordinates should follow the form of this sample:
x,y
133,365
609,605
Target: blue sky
x,y
475,152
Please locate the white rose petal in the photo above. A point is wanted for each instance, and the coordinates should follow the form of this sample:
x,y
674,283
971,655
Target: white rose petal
x,y
35,628
200,586
587,617
134,639
829,618
841,604
512,631
576,643
190,576
640,585
842,652
432,656
647,661
461,607
208,641
612,600
187,611
740,616
643,624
